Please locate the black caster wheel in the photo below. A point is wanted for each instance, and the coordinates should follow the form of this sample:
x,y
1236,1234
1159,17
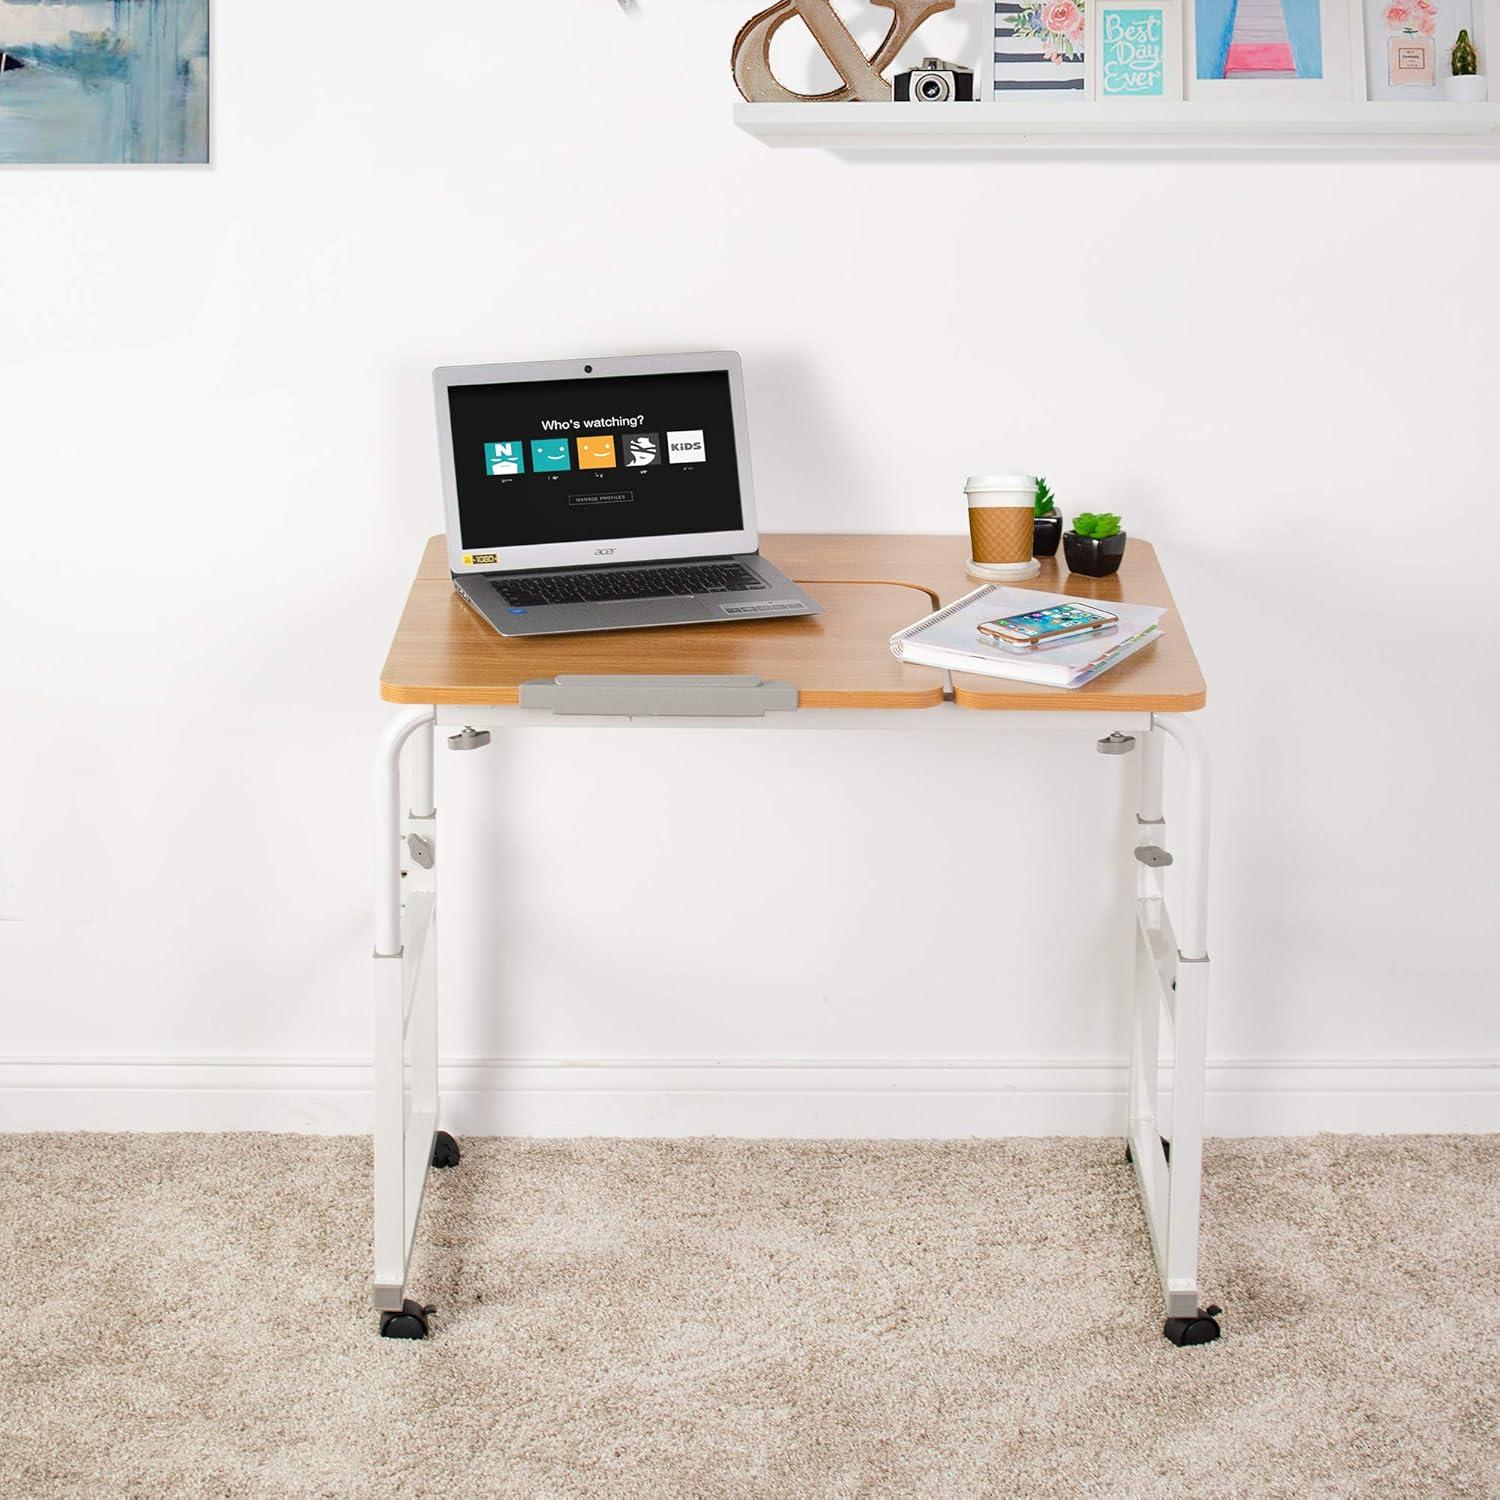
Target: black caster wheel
x,y
1166,1147
1203,1329
409,1323
444,1150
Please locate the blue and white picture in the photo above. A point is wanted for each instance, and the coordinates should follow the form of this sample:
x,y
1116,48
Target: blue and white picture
x,y
1259,39
106,81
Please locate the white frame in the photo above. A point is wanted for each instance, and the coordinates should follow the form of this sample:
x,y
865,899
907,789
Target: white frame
x,y
1171,960
1342,29
406,1083
1486,32
1173,78
1022,99
616,549
1484,25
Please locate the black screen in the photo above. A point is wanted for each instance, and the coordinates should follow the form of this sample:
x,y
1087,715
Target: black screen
x,y
547,461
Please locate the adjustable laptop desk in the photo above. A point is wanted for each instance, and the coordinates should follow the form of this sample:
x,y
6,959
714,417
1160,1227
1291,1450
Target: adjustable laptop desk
x,y
833,671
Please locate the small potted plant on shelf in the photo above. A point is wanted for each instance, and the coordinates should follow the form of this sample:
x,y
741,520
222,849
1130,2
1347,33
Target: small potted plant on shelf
x,y
1095,545
1046,521
1467,85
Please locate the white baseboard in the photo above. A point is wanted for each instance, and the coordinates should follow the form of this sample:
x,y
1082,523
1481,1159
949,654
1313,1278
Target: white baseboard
x,y
775,1097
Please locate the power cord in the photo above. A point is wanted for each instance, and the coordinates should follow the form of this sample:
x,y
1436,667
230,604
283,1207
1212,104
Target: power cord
x,y
900,583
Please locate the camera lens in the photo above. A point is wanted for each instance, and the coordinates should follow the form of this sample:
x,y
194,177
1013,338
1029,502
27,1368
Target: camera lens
x,y
932,89
588,369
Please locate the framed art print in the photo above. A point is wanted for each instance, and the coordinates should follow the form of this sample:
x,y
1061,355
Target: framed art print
x,y
1270,49
112,84
1041,49
1409,44
1136,49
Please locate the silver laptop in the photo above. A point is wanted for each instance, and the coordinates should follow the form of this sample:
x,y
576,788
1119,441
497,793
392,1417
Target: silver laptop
x,y
604,494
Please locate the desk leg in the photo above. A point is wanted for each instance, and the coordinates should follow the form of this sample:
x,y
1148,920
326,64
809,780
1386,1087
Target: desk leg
x,y
1171,978
1145,1028
405,1013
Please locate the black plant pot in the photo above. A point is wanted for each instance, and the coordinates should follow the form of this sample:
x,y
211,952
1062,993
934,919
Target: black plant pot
x,y
1092,556
1046,533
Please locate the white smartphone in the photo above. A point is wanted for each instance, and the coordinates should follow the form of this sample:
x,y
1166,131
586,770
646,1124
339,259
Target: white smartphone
x,y
1053,626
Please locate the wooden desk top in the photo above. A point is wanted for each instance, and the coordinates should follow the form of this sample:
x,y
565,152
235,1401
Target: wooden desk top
x,y
444,653
1164,678
869,587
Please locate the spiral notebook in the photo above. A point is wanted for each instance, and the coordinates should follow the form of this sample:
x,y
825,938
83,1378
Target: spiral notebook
x,y
951,639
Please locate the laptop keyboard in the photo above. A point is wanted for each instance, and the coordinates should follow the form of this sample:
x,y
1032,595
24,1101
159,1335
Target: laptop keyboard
x,y
523,590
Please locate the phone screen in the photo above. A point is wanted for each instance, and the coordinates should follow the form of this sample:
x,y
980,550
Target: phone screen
x,y
1038,624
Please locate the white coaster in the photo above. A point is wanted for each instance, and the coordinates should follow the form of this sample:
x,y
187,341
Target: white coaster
x,y
1004,572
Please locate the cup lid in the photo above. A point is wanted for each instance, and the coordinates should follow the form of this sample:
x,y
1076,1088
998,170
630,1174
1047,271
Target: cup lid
x,y
1000,482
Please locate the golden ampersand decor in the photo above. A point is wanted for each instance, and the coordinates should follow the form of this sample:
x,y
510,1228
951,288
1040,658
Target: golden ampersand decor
x,y
751,58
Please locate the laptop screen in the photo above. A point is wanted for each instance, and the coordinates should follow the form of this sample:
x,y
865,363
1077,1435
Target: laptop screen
x,y
547,461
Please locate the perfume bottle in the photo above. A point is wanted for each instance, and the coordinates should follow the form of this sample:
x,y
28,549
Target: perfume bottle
x,y
1413,60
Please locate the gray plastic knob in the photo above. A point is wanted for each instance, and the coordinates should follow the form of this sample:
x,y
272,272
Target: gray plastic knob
x,y
469,739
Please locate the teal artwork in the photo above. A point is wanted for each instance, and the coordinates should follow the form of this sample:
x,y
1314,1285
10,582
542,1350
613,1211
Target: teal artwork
x,y
113,82
1132,53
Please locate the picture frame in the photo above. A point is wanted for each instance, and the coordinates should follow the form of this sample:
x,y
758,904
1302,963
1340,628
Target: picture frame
x,y
1446,18
1040,51
1273,50
1135,50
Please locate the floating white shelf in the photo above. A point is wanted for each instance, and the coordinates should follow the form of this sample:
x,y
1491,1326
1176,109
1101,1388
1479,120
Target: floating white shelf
x,y
1130,125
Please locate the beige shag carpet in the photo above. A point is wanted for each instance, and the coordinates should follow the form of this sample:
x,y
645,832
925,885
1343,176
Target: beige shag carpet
x,y
188,1315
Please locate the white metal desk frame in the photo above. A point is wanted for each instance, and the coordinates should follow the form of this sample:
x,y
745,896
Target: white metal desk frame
x,y
1171,968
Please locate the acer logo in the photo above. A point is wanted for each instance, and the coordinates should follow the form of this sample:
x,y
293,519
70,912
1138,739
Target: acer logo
x,y
604,551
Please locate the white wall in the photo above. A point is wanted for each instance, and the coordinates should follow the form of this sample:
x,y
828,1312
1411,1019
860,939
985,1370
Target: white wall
x,y
217,467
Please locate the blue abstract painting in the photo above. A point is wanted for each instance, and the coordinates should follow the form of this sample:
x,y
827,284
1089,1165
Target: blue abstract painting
x,y
1255,39
112,81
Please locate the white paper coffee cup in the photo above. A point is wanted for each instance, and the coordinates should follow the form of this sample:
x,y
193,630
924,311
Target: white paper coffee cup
x,y
1001,509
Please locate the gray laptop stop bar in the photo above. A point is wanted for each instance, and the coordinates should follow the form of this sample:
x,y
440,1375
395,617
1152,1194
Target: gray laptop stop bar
x,y
646,695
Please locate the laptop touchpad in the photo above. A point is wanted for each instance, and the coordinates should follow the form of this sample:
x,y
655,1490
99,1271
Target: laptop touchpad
x,y
667,610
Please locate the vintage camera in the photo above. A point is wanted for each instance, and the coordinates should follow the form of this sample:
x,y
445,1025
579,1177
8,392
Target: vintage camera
x,y
935,82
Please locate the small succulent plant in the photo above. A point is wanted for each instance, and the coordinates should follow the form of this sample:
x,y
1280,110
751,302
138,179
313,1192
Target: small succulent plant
x,y
1465,59
1046,501
1098,527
